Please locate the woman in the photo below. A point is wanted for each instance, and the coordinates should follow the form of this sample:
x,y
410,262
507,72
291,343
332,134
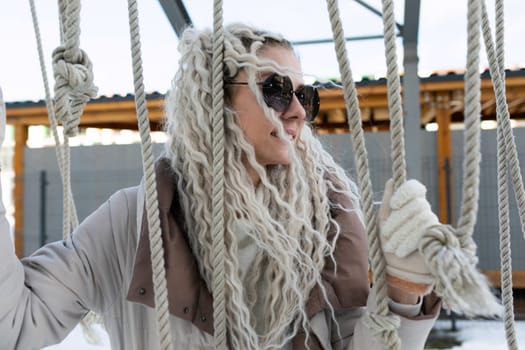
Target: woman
x,y
296,260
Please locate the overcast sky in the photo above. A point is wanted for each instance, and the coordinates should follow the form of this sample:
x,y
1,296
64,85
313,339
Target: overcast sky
x,y
105,37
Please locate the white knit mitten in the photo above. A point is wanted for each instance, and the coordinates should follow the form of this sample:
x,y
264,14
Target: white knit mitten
x,y
403,218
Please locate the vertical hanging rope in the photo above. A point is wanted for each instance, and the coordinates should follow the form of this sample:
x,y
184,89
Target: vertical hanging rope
x,y
505,243
73,89
463,288
451,256
470,194
61,98
152,210
394,96
70,218
62,4
503,195
506,154
51,113
383,323
73,70
503,109
218,282
66,185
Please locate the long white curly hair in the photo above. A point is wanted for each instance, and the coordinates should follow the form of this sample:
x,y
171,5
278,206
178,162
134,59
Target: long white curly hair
x,y
287,215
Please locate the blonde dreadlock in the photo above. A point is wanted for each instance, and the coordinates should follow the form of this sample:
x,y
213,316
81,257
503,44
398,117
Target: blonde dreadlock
x,y
287,216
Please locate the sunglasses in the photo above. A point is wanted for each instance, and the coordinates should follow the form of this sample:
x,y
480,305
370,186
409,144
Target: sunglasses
x,y
278,93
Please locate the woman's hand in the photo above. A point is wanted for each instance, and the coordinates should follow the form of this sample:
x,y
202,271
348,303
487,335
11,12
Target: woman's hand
x,y
408,296
403,218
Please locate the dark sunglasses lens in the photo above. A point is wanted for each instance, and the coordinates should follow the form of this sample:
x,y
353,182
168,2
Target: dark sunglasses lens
x,y
309,99
277,92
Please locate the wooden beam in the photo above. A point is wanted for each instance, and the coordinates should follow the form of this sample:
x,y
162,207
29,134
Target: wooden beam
x,y
444,154
428,84
488,104
98,113
518,278
427,113
105,112
515,103
18,190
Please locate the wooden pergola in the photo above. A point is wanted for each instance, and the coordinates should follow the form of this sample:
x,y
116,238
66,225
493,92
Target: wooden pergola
x,y
441,102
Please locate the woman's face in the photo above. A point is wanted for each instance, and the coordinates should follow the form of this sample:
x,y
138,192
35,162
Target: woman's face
x,y
258,130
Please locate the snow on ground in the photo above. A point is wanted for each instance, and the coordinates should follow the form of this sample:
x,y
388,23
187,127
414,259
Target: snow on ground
x,y
473,335
76,341
478,335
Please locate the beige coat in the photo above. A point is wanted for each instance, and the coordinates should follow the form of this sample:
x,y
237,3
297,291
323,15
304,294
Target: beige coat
x,y
104,267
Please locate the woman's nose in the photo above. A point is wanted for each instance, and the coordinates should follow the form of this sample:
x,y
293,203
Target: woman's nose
x,y
294,110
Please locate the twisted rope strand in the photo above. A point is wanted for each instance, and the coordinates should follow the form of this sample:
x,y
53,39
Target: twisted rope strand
x,y
152,210
72,70
218,245
70,218
51,113
73,87
506,147
62,14
498,78
71,26
66,183
388,336
505,242
517,180
465,278
394,96
471,165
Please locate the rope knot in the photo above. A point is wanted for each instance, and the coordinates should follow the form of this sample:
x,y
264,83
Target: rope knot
x,y
74,87
463,288
442,251
444,235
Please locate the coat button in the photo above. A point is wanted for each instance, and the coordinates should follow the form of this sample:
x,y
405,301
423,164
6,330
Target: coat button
x,y
142,291
186,310
203,318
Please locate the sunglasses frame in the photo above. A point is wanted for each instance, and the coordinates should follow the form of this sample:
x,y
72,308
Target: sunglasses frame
x,y
280,100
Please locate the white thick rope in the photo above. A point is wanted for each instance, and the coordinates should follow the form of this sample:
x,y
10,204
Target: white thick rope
x,y
471,163
451,253
62,112
383,316
440,241
394,96
67,228
503,195
70,202
498,78
507,154
73,88
70,218
218,283
148,163
72,69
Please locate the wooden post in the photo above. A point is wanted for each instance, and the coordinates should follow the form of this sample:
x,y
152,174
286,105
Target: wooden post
x,y
444,154
18,190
